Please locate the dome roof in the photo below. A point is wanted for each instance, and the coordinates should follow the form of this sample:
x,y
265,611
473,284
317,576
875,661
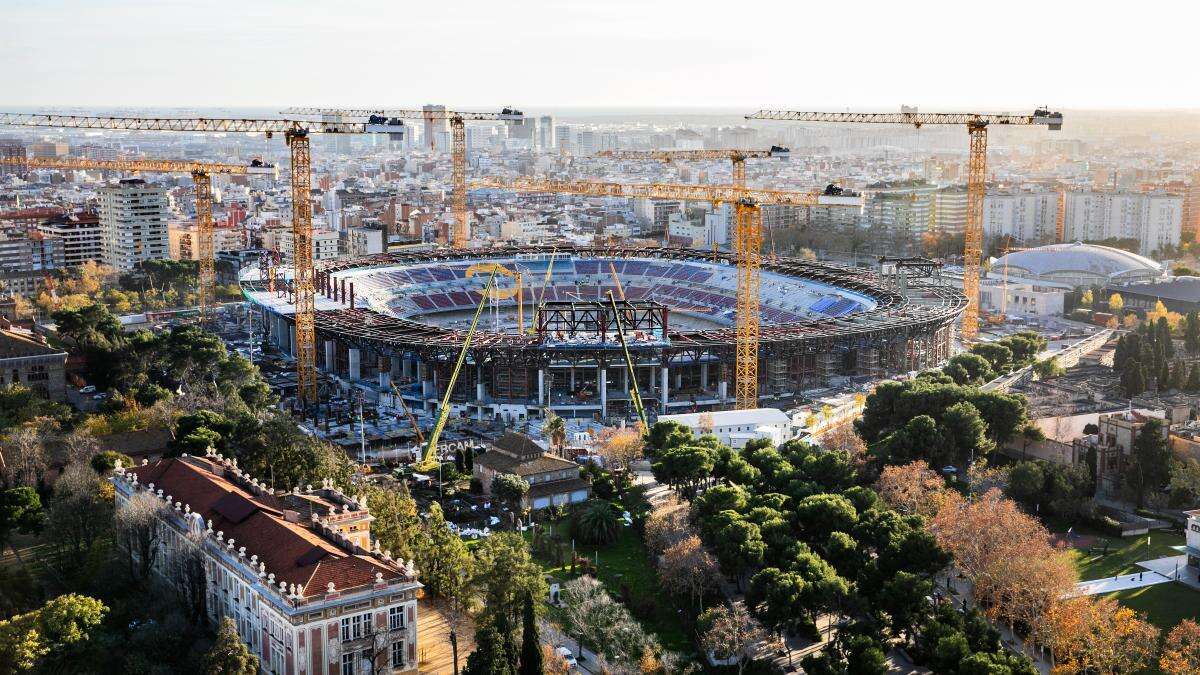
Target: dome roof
x,y
1078,257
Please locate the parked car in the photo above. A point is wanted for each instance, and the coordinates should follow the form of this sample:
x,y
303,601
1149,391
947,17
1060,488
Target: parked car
x,y
90,389
567,655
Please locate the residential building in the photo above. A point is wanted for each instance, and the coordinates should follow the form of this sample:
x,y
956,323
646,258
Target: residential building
x,y
295,570
736,427
325,243
652,214
950,210
362,241
29,251
133,223
81,236
996,296
184,240
1027,216
1113,443
48,149
436,128
546,137
27,360
564,138
1154,219
553,481
906,207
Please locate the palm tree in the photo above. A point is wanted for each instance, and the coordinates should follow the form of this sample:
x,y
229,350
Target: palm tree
x,y
595,521
555,431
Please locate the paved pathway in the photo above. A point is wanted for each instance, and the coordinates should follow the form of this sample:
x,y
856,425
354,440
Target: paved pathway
x,y
1158,571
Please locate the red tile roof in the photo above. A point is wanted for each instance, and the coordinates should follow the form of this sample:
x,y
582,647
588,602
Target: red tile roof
x,y
284,547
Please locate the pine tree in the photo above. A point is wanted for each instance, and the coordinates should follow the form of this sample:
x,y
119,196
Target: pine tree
x,y
531,644
1164,337
1133,379
229,655
1193,382
1163,382
1191,333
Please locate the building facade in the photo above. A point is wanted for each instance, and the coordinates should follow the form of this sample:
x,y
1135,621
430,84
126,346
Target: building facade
x,y
294,570
133,223
553,481
1154,219
81,236
1026,216
29,362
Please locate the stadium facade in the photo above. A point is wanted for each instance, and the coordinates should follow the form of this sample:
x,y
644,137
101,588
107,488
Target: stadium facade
x,y
401,319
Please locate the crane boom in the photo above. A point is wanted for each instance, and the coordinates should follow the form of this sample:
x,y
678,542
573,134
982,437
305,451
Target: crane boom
x,y
736,157
196,124
408,113
635,394
430,456
408,413
685,192
1040,117
977,125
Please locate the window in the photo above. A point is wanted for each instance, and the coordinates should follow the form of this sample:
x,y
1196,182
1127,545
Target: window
x,y
353,627
348,663
398,654
396,618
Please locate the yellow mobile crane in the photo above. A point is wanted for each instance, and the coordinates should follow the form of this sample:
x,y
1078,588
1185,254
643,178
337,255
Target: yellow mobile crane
x,y
747,246
430,460
736,157
460,234
295,133
977,126
202,178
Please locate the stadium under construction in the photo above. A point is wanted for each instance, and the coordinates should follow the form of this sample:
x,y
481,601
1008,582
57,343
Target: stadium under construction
x,y
547,336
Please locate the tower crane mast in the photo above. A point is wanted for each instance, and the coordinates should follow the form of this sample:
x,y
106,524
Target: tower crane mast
x,y
296,133
977,126
747,237
383,118
202,179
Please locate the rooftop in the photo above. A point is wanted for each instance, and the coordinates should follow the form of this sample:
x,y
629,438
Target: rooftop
x,y
727,418
1077,257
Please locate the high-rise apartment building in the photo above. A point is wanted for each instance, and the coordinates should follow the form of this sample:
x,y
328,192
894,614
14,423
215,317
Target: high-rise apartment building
x,y
901,207
546,132
48,149
29,251
80,234
1028,216
950,210
133,223
1153,219
436,128
1191,205
564,137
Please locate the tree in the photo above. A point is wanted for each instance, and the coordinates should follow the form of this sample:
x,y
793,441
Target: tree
x,y
80,514
595,521
1048,368
1191,333
20,405
1193,381
491,655
818,516
687,570
965,433
602,623
397,526
728,632
619,447
139,534
903,599
1116,303
20,511
1181,652
442,557
969,369
912,488
67,620
1133,378
554,430
919,439
1026,482
843,439
511,489
739,545
229,655
507,574
1086,299
1097,634
106,461
531,660
1149,460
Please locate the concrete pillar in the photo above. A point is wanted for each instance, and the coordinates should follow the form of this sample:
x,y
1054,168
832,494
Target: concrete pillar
x,y
541,387
291,333
479,390
355,364
406,367
664,391
704,376
330,356
602,384
722,390
394,366
385,380
678,379
572,378
625,379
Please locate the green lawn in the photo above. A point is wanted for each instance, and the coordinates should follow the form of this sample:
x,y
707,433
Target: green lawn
x,y
1164,605
1124,554
626,562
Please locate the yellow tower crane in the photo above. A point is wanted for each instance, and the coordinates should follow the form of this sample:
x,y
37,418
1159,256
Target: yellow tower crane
x,y
202,178
295,133
460,233
747,245
737,158
977,126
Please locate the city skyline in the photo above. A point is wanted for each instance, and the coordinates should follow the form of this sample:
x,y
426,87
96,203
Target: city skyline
x,y
664,55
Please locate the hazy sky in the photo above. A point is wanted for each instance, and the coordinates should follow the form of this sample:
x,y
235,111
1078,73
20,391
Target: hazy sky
x,y
742,54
